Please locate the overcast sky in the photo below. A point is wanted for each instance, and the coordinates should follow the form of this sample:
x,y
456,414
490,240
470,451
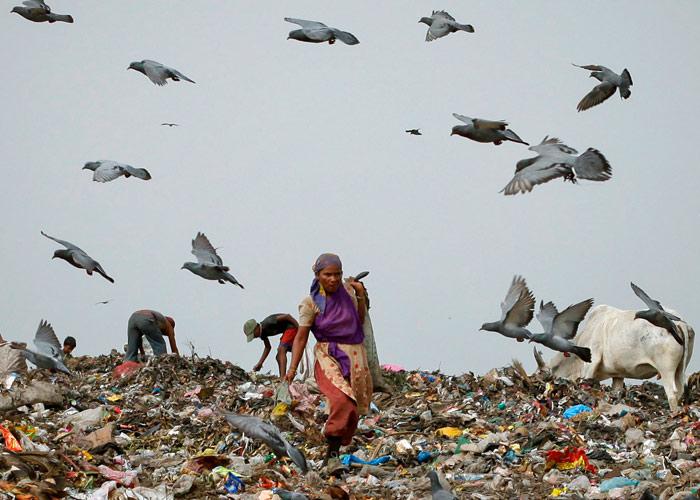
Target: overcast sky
x,y
287,150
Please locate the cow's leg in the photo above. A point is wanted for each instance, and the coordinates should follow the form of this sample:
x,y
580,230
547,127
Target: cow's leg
x,y
673,389
618,385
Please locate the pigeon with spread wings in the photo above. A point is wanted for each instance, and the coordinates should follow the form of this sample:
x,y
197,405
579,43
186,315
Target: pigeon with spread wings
x,y
38,12
561,327
442,24
315,32
480,130
609,82
108,170
516,312
209,265
657,315
48,354
77,257
158,73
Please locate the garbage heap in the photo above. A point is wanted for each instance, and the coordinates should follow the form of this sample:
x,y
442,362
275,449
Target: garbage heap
x,y
156,431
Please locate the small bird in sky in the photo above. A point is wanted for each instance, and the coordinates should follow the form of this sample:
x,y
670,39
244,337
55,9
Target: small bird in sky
x,y
442,24
315,32
609,82
209,265
480,130
414,131
38,12
108,170
103,302
561,327
78,258
48,354
170,124
158,73
516,312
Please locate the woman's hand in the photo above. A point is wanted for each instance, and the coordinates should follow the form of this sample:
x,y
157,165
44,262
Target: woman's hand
x,y
291,373
359,288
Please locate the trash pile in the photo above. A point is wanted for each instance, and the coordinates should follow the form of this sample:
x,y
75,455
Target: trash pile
x,y
157,431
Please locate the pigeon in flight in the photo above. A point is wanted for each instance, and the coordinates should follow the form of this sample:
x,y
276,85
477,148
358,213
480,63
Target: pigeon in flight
x,y
414,131
480,130
609,81
442,24
158,73
48,354
657,315
268,433
103,302
561,327
289,495
209,265
438,492
108,170
39,12
170,124
315,32
516,312
556,159
78,258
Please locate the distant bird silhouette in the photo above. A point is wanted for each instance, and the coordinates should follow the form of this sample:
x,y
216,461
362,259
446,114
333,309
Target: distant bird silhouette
x,y
78,258
38,12
556,159
442,24
209,265
158,73
609,82
315,32
561,327
108,170
103,302
171,124
438,492
414,131
657,315
516,312
48,354
480,130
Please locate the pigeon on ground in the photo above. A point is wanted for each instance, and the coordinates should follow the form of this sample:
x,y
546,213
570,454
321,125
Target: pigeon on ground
x,y
609,81
657,315
438,492
556,159
442,24
209,265
158,73
516,312
108,170
48,354
256,428
78,258
315,32
39,12
561,327
480,130
170,124
414,131
289,495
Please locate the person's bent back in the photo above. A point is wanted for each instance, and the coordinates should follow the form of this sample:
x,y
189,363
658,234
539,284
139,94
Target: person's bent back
x,y
154,326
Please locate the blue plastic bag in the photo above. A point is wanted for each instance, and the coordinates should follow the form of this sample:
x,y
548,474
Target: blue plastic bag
x,y
575,410
617,482
349,459
233,483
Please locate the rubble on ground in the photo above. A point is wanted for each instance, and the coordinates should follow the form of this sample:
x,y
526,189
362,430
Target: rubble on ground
x,y
155,431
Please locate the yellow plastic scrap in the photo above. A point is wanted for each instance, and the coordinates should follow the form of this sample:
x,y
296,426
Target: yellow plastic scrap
x,y
114,398
206,453
558,491
280,409
86,455
450,432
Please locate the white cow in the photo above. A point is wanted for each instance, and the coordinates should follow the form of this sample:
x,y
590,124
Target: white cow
x,y
624,347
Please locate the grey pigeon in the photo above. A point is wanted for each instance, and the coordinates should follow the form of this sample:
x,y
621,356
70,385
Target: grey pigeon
x,y
609,81
39,12
480,130
158,73
516,312
108,170
170,124
315,32
209,265
289,495
259,429
414,131
442,24
561,327
556,159
438,492
78,258
657,315
48,354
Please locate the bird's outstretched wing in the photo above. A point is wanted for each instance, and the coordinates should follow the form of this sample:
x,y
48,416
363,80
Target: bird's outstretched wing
x,y
533,171
37,4
155,72
600,93
652,304
463,118
518,306
592,67
490,124
546,315
46,341
566,322
443,14
205,251
304,23
67,244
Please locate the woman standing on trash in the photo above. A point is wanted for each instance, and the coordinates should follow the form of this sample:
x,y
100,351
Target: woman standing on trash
x,y
334,312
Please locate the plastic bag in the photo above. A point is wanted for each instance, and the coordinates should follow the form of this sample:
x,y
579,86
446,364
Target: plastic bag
x,y
282,394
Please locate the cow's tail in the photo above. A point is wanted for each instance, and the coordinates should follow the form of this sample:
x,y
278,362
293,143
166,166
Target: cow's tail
x,y
692,382
541,365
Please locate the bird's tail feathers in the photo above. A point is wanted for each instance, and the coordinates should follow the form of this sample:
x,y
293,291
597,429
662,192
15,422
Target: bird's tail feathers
x,y
512,136
626,84
582,352
102,273
60,17
233,280
592,166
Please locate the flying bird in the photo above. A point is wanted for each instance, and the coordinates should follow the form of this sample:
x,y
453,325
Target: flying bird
x,y
108,170
561,327
315,32
170,124
556,159
78,258
289,495
480,130
657,315
268,433
442,24
39,12
609,82
516,312
438,492
209,265
48,354
158,73
103,302
414,131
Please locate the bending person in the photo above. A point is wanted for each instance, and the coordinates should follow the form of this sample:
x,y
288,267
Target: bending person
x,y
334,312
154,326
274,324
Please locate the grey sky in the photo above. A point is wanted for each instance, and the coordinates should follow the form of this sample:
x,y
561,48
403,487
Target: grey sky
x,y
287,150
